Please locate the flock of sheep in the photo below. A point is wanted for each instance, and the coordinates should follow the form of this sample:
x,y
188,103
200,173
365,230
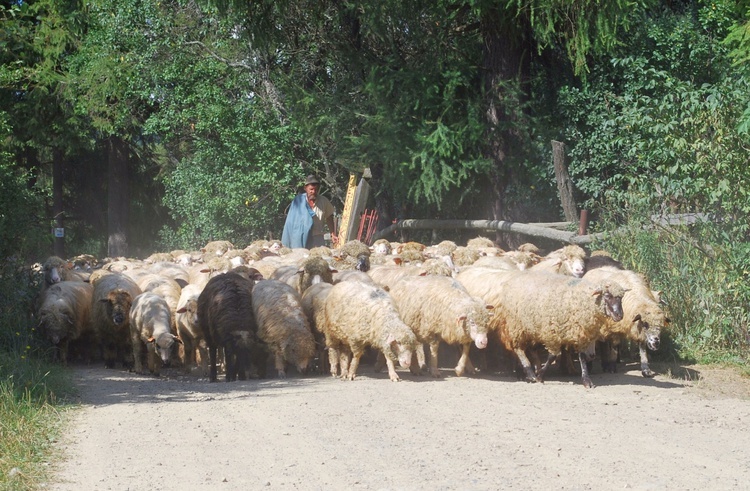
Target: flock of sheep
x,y
322,309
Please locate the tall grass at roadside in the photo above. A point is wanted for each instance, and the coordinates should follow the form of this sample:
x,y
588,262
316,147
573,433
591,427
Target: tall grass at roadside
x,y
32,390
703,273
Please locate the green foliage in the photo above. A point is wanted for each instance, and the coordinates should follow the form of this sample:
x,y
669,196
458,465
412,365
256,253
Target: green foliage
x,y
703,278
22,230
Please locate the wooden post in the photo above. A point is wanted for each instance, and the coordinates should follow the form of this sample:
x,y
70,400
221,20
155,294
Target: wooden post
x,y
564,184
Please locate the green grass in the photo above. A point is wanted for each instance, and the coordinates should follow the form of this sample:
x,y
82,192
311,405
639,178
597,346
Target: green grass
x,y
32,417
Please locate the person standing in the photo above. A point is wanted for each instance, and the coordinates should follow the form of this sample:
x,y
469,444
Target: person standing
x,y
308,212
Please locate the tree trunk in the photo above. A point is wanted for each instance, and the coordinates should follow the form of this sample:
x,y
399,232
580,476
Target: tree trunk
x,y
118,198
564,184
505,69
58,163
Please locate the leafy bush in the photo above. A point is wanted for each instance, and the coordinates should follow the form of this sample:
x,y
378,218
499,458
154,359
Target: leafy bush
x,y
703,276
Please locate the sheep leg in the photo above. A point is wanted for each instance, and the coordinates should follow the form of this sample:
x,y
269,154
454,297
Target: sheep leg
x,y
63,348
414,367
645,370
278,358
212,363
356,355
154,362
333,361
585,371
137,352
392,370
345,359
379,362
526,364
551,357
434,370
464,365
422,364
188,353
230,371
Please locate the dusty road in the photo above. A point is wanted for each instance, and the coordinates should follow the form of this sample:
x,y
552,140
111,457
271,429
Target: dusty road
x,y
182,433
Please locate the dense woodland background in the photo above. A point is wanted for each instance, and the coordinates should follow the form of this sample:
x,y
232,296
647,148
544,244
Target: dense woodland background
x,y
145,125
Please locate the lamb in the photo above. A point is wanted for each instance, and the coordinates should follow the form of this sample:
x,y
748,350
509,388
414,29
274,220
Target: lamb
x,y
188,329
151,326
570,261
225,315
438,308
64,314
553,310
283,325
110,316
643,316
357,315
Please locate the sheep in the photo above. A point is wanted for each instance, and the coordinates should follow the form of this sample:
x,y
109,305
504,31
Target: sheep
x,y
387,276
225,316
216,248
570,261
553,310
283,325
312,302
438,308
598,259
643,316
64,314
465,256
173,271
110,316
151,326
188,329
352,275
55,270
357,315
381,247
313,270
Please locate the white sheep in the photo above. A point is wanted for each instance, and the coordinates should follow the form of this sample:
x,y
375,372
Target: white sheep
x,y
643,316
553,310
64,314
313,302
188,329
282,325
151,327
357,315
438,308
569,261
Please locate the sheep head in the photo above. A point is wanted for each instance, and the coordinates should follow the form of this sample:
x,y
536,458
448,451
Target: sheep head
x,y
610,295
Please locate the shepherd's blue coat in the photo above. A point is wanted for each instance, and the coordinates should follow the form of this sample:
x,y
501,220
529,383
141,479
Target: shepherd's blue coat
x,y
298,223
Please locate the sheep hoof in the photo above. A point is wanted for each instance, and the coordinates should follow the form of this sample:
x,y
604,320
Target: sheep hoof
x,y
648,373
587,383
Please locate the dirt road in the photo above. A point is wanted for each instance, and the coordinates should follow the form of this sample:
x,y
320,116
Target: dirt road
x,y
492,432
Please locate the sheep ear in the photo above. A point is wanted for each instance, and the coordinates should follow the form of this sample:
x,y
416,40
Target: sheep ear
x,y
391,339
177,339
398,261
151,339
636,318
489,307
460,319
332,270
181,310
597,292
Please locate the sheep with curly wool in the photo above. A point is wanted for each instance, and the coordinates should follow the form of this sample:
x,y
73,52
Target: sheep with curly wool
x,y
538,308
439,309
64,314
151,328
357,315
283,325
643,316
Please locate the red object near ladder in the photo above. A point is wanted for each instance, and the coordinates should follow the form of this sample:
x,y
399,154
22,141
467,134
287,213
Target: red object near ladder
x,y
368,221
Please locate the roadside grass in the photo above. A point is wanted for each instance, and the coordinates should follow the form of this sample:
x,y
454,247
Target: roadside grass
x,y
32,417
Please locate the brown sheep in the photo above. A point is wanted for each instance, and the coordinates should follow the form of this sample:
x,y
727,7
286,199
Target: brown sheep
x,y
110,317
64,314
